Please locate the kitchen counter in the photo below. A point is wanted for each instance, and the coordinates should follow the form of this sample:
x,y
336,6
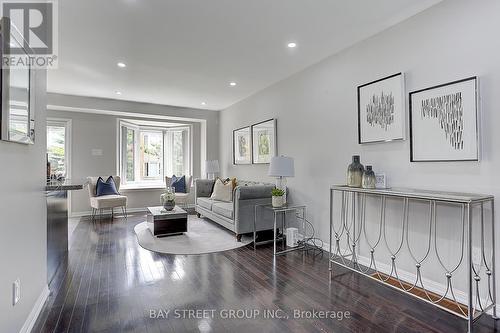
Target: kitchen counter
x,y
63,186
57,223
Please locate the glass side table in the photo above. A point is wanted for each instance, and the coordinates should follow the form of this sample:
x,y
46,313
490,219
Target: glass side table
x,y
280,211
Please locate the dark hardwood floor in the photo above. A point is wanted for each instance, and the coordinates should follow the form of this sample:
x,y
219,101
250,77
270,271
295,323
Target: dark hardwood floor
x,y
111,284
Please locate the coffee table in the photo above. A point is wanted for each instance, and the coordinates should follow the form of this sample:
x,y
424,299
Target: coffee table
x,y
163,223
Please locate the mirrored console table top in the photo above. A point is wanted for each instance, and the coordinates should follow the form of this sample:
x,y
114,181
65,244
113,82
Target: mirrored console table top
x,y
457,197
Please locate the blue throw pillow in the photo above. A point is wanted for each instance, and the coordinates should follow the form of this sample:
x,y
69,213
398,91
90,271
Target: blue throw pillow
x,y
179,183
107,187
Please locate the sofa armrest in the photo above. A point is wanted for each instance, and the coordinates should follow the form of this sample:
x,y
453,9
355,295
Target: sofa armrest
x,y
253,192
246,198
203,187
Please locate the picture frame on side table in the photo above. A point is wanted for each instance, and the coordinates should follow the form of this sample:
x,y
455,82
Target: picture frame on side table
x,y
264,141
242,146
381,110
444,122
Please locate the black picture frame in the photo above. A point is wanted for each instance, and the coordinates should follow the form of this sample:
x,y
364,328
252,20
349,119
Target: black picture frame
x,y
476,126
275,139
403,109
249,145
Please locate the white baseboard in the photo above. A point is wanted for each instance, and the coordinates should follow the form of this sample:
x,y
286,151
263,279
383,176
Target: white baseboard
x,y
107,212
406,276
35,312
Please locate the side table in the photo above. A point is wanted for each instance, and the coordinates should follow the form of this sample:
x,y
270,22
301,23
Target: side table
x,y
280,211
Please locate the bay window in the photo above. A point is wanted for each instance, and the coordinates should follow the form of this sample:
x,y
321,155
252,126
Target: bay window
x,y
149,153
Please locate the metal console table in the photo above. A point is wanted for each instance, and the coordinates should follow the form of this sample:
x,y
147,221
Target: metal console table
x,y
346,235
276,211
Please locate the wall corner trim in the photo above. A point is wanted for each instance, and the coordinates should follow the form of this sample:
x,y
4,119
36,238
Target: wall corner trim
x,y
35,312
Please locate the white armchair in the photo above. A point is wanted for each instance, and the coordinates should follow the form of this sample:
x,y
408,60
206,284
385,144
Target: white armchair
x,y
105,201
184,200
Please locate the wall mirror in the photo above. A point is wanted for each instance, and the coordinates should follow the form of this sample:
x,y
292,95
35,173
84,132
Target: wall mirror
x,y
17,118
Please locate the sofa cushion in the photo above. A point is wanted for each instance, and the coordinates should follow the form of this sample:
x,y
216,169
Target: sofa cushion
x,y
223,208
205,203
223,190
181,195
184,198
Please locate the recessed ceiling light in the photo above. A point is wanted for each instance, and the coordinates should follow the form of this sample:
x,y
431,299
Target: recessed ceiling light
x,y
118,92
121,64
203,103
292,45
232,84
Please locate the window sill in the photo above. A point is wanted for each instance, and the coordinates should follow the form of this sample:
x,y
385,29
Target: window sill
x,y
126,188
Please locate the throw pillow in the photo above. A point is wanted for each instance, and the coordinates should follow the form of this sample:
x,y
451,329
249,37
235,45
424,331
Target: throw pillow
x,y
223,190
179,183
235,182
107,187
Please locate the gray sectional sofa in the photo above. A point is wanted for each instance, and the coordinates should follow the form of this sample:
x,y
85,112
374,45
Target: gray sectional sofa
x,y
238,215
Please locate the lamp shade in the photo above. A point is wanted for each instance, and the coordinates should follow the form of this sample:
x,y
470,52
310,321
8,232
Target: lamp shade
x,y
281,166
212,166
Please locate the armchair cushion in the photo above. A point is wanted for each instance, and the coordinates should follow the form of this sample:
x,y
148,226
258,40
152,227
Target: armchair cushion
x,y
188,181
92,184
186,199
179,183
107,187
108,201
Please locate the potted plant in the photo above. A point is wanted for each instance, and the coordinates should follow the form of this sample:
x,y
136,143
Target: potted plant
x,y
168,199
278,197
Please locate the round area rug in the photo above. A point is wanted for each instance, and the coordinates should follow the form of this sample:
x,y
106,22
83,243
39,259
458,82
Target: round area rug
x,y
203,236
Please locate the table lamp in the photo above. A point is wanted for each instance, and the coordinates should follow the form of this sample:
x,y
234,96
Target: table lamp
x,y
281,167
212,168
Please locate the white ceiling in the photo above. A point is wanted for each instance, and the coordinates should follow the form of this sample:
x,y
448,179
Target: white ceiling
x,y
184,52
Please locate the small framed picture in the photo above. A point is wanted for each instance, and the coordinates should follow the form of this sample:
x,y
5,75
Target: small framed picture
x,y
264,141
443,122
242,148
381,110
380,181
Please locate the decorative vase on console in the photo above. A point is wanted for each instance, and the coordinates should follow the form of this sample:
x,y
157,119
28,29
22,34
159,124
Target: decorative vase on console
x,y
355,172
368,180
168,198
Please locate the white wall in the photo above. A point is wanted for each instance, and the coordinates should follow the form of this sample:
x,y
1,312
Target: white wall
x,y
99,131
23,220
317,109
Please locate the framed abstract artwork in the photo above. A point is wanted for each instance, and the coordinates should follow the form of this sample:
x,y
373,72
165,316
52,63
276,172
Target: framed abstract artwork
x,y
242,146
381,110
443,122
264,145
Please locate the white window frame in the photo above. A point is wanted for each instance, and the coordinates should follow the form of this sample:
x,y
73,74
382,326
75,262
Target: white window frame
x,y
166,130
138,139
67,124
134,127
